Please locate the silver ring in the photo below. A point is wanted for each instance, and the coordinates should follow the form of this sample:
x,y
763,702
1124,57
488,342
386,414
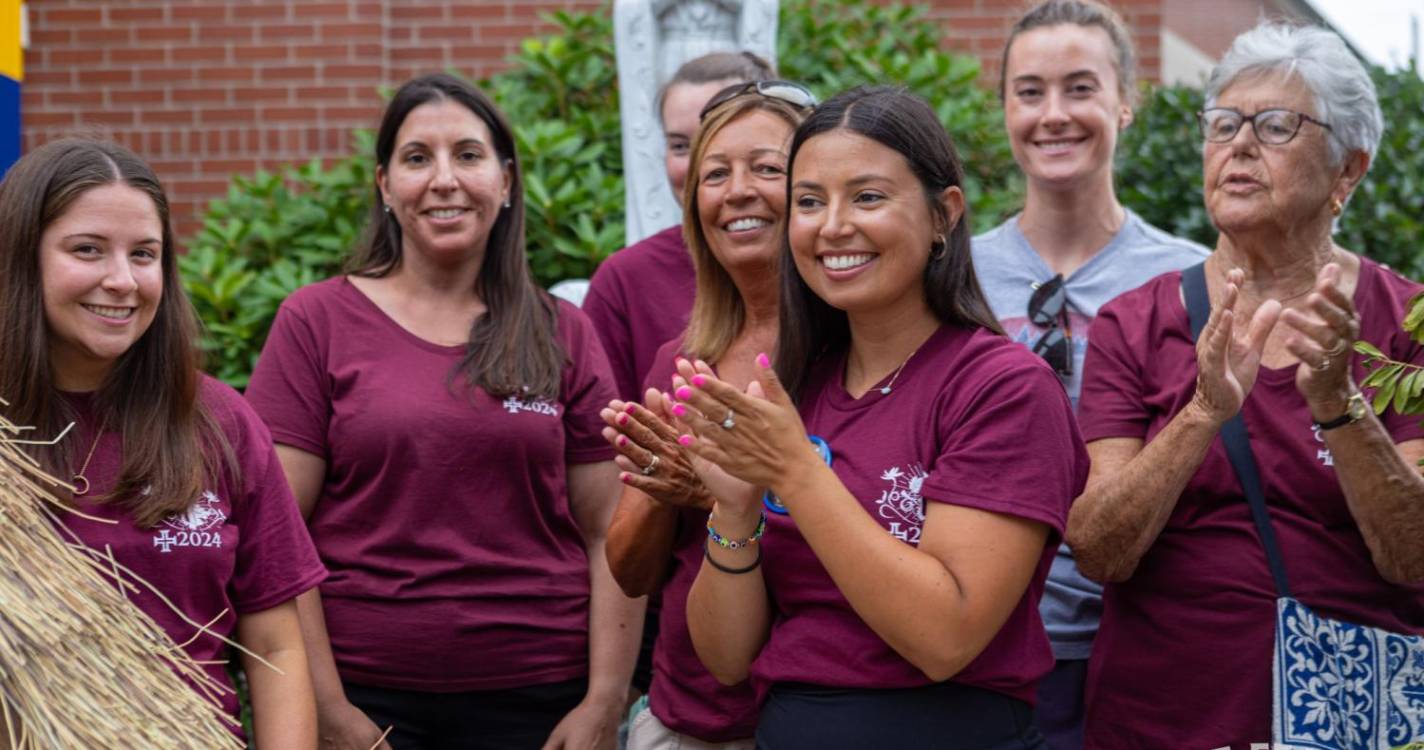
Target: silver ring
x,y
1324,365
730,421
652,466
1338,349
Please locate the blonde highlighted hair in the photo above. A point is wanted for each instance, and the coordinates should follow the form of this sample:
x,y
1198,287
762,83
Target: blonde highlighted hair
x,y
718,311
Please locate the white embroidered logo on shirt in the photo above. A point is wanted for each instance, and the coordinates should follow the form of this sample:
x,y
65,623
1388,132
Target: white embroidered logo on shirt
x,y
198,526
901,504
538,406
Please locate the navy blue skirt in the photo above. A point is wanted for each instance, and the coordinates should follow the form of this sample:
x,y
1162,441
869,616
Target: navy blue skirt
x,y
944,715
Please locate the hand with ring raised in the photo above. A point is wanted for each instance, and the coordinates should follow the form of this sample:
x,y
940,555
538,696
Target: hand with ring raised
x,y
1324,332
649,455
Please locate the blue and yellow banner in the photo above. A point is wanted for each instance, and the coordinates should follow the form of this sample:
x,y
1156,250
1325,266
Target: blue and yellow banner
x,y
12,64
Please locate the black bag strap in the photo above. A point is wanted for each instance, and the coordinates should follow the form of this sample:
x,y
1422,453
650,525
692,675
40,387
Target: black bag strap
x,y
1234,436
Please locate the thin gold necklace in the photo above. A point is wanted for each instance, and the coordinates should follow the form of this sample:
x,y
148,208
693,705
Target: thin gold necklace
x,y
81,482
885,391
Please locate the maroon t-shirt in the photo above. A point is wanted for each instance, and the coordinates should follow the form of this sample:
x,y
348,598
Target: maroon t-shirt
x,y
444,517
240,548
973,420
638,299
1183,655
685,696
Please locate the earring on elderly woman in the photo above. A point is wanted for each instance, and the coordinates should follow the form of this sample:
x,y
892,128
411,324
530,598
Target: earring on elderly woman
x,y
1337,207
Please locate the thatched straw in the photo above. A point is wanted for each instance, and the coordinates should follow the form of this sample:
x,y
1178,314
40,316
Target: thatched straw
x,y
80,665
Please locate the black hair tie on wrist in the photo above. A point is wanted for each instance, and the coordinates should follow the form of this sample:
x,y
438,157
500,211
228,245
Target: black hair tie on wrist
x,y
707,553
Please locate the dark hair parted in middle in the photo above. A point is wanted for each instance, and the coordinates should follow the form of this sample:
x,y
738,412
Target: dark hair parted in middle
x,y
513,347
905,123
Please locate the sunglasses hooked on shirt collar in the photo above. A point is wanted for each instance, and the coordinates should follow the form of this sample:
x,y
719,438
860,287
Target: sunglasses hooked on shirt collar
x,y
787,91
1048,308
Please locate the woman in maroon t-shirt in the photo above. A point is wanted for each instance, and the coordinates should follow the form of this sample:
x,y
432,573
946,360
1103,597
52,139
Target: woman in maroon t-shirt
x,y
884,594
736,198
174,474
1184,653
437,416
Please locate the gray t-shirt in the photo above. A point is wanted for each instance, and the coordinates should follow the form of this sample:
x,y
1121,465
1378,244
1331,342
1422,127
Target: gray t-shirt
x,y
1009,269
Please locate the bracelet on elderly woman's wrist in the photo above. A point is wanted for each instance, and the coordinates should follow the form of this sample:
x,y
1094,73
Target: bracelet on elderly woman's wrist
x,y
723,541
707,553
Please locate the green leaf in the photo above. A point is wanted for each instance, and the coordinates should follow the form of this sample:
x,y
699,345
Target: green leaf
x,y
1368,349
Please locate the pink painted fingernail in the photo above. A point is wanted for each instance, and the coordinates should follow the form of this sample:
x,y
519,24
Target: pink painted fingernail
x,y
699,380
679,410
763,360
623,477
684,393
623,418
684,440
622,440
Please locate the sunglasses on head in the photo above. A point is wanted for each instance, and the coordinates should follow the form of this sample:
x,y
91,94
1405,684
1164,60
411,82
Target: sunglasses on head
x,y
787,91
1048,308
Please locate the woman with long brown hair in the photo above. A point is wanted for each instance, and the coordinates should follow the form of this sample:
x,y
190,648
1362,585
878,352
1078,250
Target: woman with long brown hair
x,y
172,472
437,416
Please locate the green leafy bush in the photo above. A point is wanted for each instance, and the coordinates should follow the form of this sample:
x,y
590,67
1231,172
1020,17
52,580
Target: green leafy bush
x,y
273,233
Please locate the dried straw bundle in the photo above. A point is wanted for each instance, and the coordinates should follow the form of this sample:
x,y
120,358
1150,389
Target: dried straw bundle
x,y
80,666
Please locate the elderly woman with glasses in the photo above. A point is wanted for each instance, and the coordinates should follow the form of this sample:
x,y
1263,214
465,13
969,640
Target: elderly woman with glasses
x,y
1290,126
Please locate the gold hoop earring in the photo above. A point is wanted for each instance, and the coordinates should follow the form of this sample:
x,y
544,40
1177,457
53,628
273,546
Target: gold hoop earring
x,y
1337,207
939,247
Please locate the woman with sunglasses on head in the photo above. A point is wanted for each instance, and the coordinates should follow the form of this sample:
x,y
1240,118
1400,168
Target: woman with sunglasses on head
x,y
173,474
1066,81
736,204
881,528
437,416
641,295
1289,130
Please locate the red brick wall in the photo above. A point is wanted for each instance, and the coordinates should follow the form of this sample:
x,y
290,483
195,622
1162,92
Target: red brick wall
x,y
210,88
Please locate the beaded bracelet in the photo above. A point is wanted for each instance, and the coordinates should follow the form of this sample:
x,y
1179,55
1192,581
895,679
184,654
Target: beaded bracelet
x,y
723,541
707,553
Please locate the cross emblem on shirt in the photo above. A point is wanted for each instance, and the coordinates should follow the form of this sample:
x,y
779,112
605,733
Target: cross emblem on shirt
x,y
165,540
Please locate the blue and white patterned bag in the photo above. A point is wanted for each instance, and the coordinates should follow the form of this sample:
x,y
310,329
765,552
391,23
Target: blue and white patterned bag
x,y
1341,686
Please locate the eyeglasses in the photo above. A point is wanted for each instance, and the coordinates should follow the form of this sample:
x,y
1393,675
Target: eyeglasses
x,y
771,501
787,91
1046,307
1271,126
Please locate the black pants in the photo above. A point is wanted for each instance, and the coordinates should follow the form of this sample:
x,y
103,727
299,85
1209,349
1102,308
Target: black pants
x,y
944,716
1060,705
477,720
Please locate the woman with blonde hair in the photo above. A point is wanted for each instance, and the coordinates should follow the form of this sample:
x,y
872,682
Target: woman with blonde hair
x,y
736,208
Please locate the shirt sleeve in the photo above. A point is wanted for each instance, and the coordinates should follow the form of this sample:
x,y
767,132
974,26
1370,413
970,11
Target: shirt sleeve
x,y
1113,402
606,310
587,389
289,388
1011,447
276,559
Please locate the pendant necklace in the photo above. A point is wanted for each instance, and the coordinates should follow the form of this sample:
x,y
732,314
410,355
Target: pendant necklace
x,y
81,482
885,391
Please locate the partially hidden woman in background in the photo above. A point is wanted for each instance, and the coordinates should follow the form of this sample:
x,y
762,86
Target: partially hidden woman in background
x,y
437,416
894,603
736,209
96,330
1068,86
1290,126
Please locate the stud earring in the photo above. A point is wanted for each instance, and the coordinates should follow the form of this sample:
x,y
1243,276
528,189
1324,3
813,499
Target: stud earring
x,y
506,202
1336,207
387,209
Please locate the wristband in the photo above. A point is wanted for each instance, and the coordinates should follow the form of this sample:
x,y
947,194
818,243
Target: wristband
x,y
723,541
707,553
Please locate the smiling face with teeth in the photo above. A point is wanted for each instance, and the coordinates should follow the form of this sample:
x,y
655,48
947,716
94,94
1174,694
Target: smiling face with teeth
x,y
741,189
102,279
861,226
445,183
1063,106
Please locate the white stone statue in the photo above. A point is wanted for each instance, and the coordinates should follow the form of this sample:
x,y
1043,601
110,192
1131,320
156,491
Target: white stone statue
x,y
653,39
